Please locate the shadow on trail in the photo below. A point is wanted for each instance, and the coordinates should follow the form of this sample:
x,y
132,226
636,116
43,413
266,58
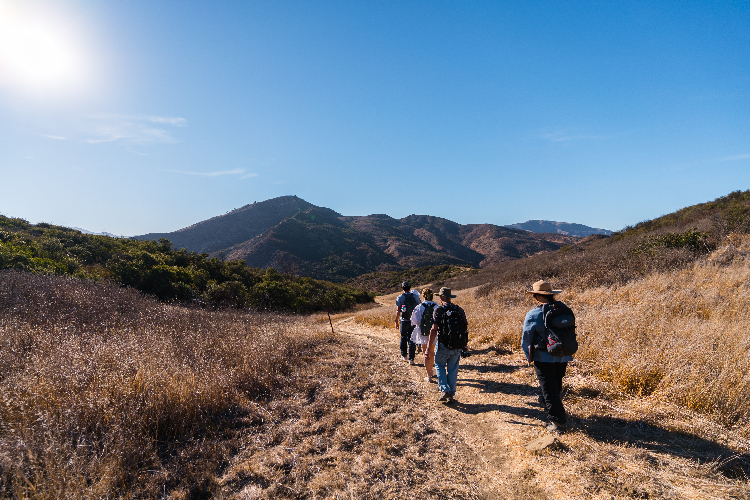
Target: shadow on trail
x,y
653,438
475,409
498,368
491,386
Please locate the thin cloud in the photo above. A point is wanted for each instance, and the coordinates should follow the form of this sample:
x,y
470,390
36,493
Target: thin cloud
x,y
248,176
56,137
561,136
736,157
237,171
131,129
565,136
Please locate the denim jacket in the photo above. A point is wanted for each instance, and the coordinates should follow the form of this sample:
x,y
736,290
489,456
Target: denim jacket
x,y
533,332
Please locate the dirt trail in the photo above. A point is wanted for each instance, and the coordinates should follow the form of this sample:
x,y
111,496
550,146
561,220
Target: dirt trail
x,y
615,448
495,413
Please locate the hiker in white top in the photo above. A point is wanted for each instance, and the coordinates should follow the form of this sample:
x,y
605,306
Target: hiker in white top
x,y
422,323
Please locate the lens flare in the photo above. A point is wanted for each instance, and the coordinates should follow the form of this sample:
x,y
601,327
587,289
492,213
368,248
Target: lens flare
x,y
40,52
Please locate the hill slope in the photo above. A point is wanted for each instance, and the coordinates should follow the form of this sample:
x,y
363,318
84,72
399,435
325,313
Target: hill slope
x,y
290,234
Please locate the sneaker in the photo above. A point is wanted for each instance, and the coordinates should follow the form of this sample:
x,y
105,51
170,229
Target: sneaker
x,y
556,428
411,362
427,379
444,396
404,358
450,400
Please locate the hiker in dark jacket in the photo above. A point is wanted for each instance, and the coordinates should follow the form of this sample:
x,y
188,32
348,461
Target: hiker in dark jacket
x,y
405,304
447,357
549,369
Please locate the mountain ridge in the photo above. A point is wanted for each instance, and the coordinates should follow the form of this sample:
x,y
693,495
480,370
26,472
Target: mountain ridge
x,y
293,235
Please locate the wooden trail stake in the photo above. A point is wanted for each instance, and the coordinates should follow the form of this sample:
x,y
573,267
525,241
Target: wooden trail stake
x,y
328,311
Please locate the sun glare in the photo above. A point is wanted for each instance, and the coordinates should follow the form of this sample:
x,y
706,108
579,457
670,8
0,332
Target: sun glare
x,y
39,52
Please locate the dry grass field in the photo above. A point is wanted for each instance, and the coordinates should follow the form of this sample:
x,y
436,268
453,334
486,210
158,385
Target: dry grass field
x,y
660,387
107,394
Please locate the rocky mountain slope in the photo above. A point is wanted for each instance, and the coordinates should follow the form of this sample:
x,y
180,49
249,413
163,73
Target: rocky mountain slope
x,y
293,235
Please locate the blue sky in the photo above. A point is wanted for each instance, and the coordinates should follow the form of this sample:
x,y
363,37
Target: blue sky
x,y
147,116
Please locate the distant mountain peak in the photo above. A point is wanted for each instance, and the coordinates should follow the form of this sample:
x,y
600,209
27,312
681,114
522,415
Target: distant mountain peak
x,y
565,228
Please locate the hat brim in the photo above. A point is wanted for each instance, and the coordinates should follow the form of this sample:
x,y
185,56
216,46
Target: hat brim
x,y
552,292
449,296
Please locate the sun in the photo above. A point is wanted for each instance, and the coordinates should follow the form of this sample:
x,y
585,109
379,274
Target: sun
x,y
39,52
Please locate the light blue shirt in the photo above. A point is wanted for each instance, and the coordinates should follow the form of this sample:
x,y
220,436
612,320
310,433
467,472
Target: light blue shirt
x,y
533,332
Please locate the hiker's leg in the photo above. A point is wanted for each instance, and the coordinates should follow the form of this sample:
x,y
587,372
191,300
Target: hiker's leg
x,y
549,382
441,358
405,334
561,416
452,370
412,345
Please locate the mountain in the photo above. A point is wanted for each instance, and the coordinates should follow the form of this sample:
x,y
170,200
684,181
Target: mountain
x,y
566,228
292,235
241,224
97,234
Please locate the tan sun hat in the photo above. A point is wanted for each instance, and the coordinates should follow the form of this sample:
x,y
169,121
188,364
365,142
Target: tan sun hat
x,y
446,292
543,288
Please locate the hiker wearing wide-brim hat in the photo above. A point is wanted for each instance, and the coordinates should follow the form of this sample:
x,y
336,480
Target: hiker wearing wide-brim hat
x,y
542,287
445,292
450,334
549,369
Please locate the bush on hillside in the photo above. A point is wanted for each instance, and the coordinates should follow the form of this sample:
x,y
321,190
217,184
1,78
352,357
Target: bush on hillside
x,y
155,268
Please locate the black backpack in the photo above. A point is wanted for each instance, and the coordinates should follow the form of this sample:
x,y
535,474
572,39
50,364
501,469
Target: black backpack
x,y
454,333
427,319
560,327
410,302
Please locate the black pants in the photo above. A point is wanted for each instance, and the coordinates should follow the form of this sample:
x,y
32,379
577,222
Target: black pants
x,y
550,377
407,346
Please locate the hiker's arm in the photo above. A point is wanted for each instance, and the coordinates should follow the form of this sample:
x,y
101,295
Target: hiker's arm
x,y
527,337
433,336
398,316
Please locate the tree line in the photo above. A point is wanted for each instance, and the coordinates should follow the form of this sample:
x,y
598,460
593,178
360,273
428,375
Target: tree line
x,y
156,268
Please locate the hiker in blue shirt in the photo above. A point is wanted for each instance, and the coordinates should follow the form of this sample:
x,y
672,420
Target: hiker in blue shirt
x,y
405,304
549,369
450,334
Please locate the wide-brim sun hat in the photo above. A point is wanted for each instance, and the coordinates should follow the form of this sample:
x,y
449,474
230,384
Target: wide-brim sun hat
x,y
542,287
446,292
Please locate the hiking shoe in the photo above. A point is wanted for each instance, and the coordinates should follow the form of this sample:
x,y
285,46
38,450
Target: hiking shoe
x,y
556,428
429,379
444,396
411,362
450,400
403,357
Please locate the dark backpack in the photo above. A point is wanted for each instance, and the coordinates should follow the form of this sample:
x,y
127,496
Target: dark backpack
x,y
454,333
410,302
560,327
427,319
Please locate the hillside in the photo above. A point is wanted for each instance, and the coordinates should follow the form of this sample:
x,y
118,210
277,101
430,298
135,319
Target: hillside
x,y
566,228
292,235
155,268
669,242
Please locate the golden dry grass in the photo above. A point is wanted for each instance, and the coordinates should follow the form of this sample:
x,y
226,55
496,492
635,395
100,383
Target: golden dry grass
x,y
679,336
104,392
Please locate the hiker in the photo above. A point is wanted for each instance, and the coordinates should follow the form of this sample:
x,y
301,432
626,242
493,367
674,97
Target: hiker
x,y
405,305
422,320
451,334
549,369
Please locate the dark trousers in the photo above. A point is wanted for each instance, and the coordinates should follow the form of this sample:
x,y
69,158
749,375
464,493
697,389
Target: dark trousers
x,y
550,377
407,346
